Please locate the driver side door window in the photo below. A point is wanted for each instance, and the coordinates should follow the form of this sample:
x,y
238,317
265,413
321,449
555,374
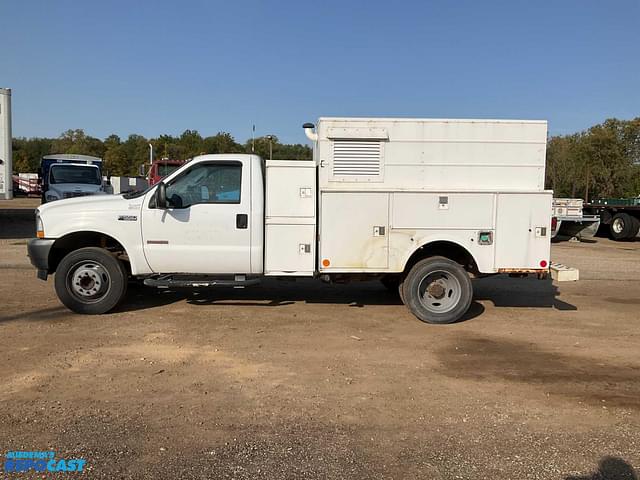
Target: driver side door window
x,y
206,183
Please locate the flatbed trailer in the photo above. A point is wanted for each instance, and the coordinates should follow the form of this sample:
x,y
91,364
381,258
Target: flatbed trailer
x,y
622,215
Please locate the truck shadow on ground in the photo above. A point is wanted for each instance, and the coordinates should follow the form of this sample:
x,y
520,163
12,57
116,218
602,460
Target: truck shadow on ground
x,y
609,468
530,292
274,293
552,373
43,314
501,291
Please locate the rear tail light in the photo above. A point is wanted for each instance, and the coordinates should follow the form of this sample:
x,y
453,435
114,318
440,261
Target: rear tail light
x,y
554,223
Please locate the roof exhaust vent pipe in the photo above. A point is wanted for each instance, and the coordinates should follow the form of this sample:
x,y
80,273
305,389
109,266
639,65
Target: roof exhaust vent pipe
x,y
308,131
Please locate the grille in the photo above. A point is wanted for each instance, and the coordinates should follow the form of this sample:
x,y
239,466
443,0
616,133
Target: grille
x,y
74,194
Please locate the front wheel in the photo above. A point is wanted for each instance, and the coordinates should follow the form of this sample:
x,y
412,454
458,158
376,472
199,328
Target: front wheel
x,y
90,280
437,290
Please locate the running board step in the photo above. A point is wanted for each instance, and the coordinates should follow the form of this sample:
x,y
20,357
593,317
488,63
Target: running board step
x,y
171,281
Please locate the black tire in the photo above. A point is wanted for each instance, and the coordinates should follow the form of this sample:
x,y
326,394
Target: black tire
x,y
401,288
635,226
91,281
451,290
623,226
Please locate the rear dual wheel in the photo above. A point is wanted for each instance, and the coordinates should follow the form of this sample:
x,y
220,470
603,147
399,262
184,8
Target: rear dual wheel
x,y
624,226
437,290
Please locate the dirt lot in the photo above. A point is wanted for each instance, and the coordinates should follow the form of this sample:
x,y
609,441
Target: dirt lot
x,y
303,380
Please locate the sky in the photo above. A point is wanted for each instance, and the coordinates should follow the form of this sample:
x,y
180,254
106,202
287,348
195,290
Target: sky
x,y
153,67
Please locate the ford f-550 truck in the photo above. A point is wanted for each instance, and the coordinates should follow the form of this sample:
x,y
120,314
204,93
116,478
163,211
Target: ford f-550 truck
x,y
421,204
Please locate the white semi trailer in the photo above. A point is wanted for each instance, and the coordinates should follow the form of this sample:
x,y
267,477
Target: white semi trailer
x,y
6,156
421,204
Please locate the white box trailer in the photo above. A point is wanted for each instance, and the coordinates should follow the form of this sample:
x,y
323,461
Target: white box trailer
x,y
6,154
420,204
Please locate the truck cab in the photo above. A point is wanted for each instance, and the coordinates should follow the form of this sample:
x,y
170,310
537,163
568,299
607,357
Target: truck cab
x,y
421,205
70,175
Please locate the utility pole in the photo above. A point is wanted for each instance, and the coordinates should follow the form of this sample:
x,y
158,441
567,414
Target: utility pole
x,y
270,138
253,140
586,188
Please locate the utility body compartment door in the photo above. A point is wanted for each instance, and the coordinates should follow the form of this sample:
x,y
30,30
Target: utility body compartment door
x,y
354,231
523,230
207,227
290,223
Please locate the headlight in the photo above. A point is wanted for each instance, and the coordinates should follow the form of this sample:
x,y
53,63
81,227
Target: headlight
x,y
51,198
39,226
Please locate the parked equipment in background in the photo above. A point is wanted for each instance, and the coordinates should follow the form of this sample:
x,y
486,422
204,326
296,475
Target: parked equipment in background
x,y
27,184
70,175
622,215
162,168
569,220
6,154
118,185
420,204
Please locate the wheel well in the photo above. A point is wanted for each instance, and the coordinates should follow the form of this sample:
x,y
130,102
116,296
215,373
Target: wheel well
x,y
446,249
73,241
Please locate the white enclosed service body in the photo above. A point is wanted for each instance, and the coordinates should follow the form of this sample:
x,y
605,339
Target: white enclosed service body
x,y
386,187
379,198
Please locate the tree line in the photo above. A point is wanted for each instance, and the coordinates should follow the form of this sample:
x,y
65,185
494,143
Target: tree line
x,y
124,157
603,161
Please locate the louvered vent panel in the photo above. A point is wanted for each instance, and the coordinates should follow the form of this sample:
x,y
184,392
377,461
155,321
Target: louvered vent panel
x,y
356,158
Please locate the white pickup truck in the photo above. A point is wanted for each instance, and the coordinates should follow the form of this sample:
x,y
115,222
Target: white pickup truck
x,y
420,204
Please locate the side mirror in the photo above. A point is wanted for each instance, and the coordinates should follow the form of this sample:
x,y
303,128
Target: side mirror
x,y
161,195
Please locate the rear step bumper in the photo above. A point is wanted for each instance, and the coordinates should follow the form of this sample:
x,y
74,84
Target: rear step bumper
x,y
169,281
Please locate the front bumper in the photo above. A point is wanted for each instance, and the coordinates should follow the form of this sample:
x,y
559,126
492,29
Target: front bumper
x,y
38,251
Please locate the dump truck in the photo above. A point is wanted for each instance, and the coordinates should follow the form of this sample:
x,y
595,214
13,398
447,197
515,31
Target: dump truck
x,y
161,168
423,205
569,220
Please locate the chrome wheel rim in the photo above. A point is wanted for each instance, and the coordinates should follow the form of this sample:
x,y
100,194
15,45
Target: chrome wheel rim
x,y
88,281
618,225
439,291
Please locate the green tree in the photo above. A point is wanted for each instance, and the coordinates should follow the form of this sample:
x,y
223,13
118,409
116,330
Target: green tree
x,y
222,142
76,141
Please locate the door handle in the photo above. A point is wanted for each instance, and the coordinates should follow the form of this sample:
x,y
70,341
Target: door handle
x,y
242,220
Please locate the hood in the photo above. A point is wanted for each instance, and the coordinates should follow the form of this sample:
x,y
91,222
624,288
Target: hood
x,y
86,204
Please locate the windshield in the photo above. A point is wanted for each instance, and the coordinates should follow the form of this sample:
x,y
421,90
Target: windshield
x,y
164,169
75,174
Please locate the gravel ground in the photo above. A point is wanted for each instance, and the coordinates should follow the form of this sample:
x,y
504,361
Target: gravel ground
x,y
304,380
